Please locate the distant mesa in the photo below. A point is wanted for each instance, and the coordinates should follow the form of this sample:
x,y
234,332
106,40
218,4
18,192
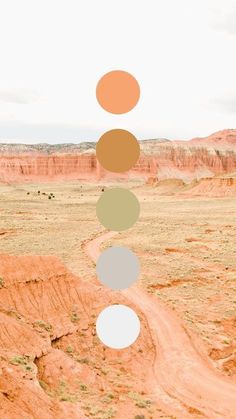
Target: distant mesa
x,y
159,159
225,137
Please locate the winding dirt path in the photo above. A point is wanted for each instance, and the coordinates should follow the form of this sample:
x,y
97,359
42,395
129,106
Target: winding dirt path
x,y
185,381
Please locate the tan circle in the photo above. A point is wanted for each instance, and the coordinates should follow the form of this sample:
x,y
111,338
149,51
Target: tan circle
x,y
118,92
117,209
117,150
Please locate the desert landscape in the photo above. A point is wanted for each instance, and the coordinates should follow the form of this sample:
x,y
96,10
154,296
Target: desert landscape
x,y
183,365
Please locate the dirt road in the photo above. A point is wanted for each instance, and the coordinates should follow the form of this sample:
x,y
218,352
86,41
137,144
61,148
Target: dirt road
x,y
184,380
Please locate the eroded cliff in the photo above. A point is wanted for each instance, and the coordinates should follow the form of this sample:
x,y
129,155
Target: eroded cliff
x,y
163,159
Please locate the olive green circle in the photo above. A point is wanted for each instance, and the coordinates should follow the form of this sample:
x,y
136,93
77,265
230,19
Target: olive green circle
x,y
117,209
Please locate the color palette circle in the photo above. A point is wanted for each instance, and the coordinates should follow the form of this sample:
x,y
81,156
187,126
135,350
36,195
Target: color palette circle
x,y
118,326
118,268
117,209
117,150
118,92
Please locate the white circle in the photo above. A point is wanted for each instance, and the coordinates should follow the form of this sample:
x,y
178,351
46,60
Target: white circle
x,y
118,326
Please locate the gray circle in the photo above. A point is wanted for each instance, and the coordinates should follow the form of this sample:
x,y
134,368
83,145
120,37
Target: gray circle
x,y
118,267
118,326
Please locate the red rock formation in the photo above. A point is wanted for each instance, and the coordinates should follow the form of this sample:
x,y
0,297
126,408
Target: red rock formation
x,y
214,187
31,167
44,310
185,160
222,138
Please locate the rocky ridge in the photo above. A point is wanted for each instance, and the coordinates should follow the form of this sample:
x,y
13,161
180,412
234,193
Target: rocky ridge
x,y
164,159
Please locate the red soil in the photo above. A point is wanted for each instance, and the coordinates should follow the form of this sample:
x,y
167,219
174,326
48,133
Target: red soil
x,y
45,308
184,379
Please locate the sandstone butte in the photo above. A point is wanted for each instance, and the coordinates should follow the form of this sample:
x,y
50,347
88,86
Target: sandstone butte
x,y
160,158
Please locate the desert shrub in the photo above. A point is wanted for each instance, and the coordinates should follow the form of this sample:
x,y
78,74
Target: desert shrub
x,y
74,317
143,404
139,401
83,387
83,360
44,325
64,395
2,282
109,414
108,398
21,360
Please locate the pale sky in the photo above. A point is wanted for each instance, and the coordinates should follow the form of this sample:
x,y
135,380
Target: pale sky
x,y
53,52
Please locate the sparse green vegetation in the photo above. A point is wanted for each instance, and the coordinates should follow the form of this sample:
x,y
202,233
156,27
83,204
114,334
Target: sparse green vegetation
x,y
69,350
64,395
83,387
108,398
83,360
109,414
14,314
68,398
98,412
139,401
104,371
23,361
44,325
62,392
94,411
74,317
2,282
19,360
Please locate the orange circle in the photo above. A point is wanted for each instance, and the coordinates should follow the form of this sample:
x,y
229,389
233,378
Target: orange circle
x,y
118,92
117,150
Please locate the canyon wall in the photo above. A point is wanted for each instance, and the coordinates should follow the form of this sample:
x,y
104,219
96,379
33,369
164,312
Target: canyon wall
x,y
14,168
184,160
